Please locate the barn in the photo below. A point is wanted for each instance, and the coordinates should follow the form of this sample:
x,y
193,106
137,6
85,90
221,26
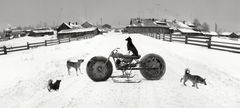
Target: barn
x,y
151,25
77,32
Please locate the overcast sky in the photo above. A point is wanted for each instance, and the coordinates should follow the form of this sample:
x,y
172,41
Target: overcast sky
x,y
118,12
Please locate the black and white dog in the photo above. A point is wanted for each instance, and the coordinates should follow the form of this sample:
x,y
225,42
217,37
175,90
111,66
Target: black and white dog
x,y
53,86
131,47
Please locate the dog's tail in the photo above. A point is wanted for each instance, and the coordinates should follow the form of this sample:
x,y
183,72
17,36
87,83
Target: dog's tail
x,y
181,79
187,71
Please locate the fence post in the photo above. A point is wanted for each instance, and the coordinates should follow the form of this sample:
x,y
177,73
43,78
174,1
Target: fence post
x,y
45,42
159,36
28,47
186,39
164,37
5,49
59,41
170,40
209,42
69,39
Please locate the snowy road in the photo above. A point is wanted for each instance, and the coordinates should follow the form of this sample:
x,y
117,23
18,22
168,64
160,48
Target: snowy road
x,y
24,76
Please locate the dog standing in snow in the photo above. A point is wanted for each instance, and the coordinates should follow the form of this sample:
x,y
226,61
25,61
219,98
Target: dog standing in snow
x,y
53,86
75,65
193,78
131,47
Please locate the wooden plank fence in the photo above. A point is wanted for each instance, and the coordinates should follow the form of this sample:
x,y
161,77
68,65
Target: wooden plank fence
x,y
199,41
5,50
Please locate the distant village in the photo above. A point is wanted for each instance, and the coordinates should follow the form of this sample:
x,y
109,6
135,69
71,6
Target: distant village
x,y
68,29
136,25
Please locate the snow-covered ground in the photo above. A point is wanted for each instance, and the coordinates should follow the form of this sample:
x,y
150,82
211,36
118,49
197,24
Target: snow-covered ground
x,y
226,39
24,40
24,75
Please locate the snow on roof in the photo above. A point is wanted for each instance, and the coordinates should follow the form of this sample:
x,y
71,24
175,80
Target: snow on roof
x,y
176,33
68,25
188,23
212,33
238,33
75,26
225,33
160,22
42,31
182,25
184,30
150,22
76,30
72,25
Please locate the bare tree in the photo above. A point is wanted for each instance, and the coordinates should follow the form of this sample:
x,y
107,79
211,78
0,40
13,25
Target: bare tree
x,y
196,22
205,27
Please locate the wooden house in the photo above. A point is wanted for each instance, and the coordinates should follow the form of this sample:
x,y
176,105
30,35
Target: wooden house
x,y
77,32
150,25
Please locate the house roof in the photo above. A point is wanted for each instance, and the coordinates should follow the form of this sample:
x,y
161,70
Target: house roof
x,y
137,22
212,33
183,25
87,24
184,30
42,31
234,35
225,33
71,25
77,30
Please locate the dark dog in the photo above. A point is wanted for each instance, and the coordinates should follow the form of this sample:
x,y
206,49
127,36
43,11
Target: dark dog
x,y
195,79
53,86
75,65
131,47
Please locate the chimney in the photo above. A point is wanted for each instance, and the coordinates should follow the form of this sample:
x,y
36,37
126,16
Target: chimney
x,y
69,23
76,23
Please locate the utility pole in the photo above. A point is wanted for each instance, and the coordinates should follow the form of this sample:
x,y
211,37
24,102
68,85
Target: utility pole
x,y
216,28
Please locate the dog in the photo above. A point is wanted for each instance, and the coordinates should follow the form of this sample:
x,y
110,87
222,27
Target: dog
x,y
53,86
75,65
195,79
131,47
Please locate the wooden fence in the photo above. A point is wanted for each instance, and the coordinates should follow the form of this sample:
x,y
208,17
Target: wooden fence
x,y
199,41
6,50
